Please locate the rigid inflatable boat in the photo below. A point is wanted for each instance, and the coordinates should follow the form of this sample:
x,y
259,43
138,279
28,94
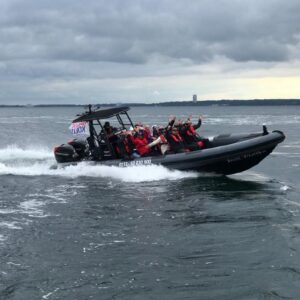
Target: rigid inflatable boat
x,y
224,154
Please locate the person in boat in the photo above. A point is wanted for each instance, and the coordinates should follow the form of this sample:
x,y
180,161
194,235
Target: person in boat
x,y
158,134
115,140
174,138
142,144
109,130
130,147
155,131
191,138
147,133
146,129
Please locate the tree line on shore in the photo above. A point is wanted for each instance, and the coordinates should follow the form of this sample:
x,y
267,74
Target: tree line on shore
x,y
254,102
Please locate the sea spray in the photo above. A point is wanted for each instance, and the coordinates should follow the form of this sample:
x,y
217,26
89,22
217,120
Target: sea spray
x,y
14,152
39,161
129,174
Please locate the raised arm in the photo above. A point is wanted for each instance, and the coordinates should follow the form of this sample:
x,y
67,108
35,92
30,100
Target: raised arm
x,y
196,126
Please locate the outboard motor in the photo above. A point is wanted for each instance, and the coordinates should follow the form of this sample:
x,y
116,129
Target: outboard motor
x,y
80,146
65,153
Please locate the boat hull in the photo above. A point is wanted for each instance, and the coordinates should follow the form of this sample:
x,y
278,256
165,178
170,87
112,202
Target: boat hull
x,y
228,159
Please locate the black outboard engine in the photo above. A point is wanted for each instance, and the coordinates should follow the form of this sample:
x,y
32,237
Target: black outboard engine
x,y
65,153
80,146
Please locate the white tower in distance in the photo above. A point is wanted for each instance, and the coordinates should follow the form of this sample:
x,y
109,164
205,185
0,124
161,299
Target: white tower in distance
x,y
194,98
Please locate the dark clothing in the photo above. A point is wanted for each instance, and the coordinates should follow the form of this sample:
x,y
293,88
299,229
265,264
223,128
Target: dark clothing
x,y
191,138
110,131
129,144
175,141
95,149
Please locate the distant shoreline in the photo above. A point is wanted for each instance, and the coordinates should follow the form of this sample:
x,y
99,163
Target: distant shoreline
x,y
255,102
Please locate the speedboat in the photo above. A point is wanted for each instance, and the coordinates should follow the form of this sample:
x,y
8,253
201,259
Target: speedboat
x,y
224,154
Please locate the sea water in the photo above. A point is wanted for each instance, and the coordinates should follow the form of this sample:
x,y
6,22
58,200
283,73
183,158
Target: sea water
x,y
146,232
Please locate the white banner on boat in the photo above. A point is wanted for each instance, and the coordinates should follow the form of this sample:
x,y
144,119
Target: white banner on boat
x,y
80,128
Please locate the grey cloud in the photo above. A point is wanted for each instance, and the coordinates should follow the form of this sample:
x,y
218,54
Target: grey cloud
x,y
80,39
135,31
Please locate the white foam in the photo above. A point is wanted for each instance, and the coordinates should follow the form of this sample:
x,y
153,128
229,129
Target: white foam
x,y
19,161
251,176
291,146
37,161
25,169
54,198
49,294
287,154
285,188
13,152
134,174
32,208
10,225
128,174
6,211
292,202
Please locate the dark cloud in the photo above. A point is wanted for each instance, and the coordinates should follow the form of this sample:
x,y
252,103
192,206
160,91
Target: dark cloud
x,y
74,38
134,31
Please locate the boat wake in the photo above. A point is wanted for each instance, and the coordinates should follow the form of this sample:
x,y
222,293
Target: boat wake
x,y
28,162
13,152
251,176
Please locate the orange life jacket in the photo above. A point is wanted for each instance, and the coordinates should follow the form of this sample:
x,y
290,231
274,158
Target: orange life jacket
x,y
191,130
176,137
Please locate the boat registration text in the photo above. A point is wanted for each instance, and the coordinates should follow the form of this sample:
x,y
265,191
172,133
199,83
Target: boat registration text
x,y
247,156
132,163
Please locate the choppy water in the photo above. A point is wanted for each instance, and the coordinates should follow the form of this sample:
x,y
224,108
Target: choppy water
x,y
147,232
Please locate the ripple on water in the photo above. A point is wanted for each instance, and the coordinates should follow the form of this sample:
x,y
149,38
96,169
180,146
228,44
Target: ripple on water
x,y
33,208
10,225
2,238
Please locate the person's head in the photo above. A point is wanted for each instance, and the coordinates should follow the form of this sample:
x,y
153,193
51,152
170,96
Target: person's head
x,y
174,129
106,124
140,133
154,130
161,130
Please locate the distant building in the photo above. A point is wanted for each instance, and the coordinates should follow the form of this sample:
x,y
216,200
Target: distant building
x,y
194,98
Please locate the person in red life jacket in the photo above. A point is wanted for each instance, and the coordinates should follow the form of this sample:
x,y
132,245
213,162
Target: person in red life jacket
x,y
141,143
191,138
128,143
143,146
147,132
174,138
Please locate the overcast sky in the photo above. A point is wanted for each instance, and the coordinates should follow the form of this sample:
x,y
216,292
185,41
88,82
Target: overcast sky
x,y
94,51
